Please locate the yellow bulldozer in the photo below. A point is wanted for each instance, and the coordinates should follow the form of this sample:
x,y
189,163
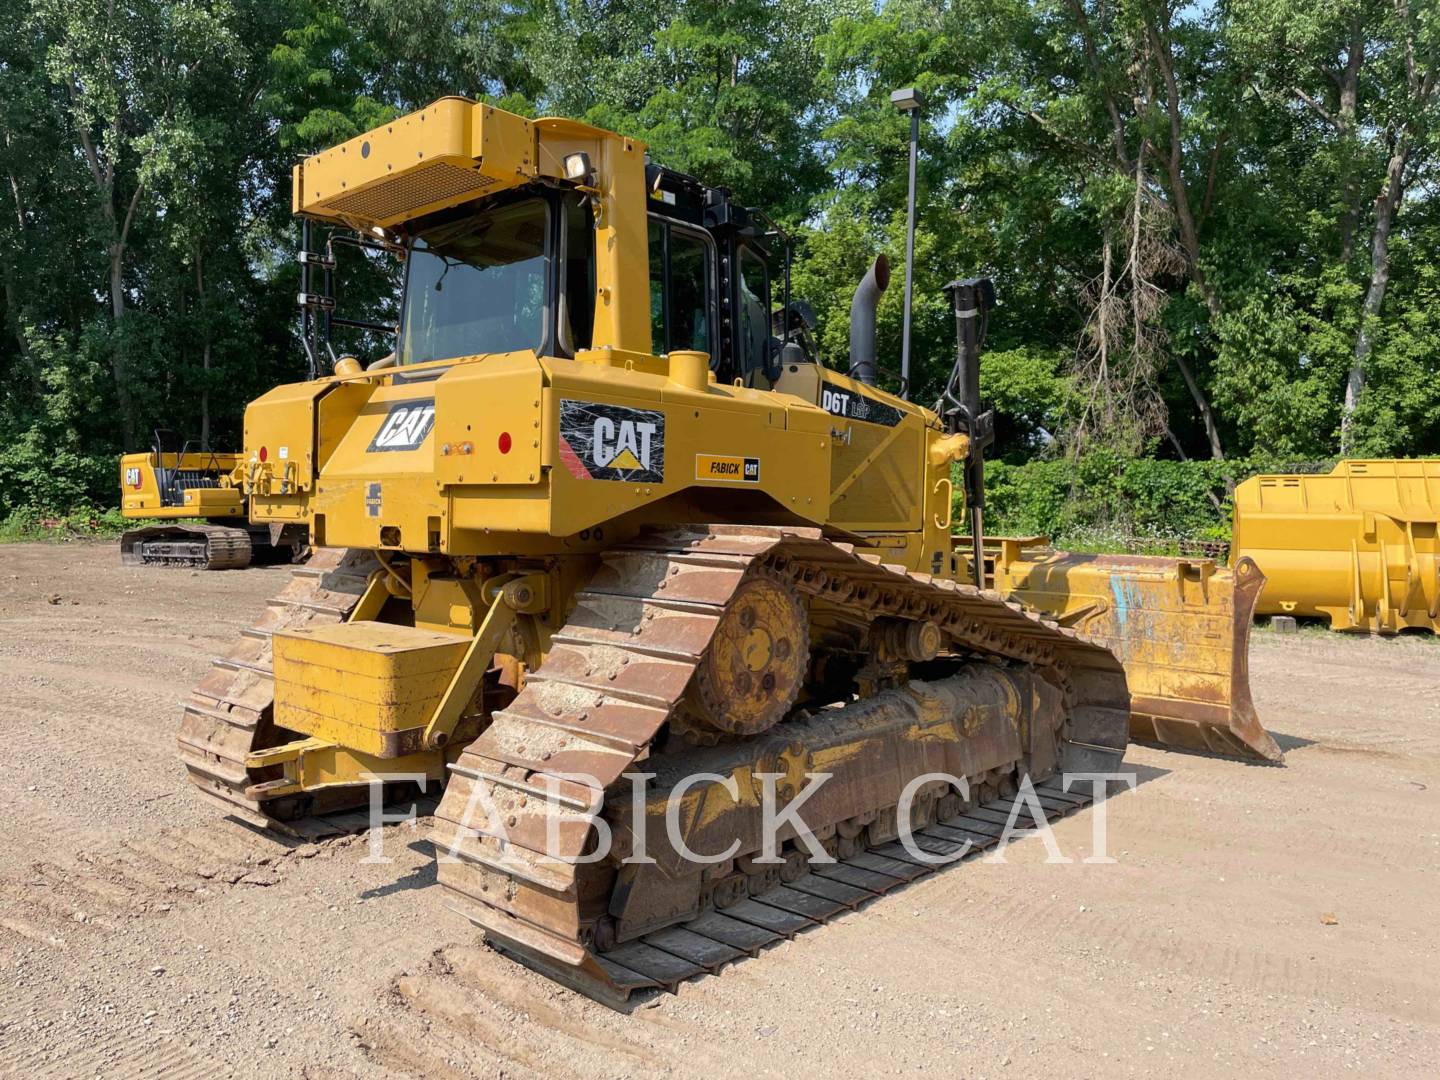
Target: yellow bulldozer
x,y
604,552
199,500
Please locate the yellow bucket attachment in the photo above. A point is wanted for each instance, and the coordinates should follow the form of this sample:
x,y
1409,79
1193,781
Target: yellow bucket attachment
x,y
1181,628
1359,546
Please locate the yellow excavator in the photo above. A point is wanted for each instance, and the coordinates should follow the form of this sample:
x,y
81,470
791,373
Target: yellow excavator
x,y
604,552
201,510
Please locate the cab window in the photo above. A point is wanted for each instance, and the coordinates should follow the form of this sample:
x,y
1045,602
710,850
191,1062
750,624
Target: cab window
x,y
576,315
477,285
682,288
754,312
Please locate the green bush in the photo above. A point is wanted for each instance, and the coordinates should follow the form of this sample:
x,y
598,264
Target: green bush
x,y
86,523
1104,501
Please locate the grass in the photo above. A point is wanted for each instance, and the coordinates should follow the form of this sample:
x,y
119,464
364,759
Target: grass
x,y
1319,629
1108,540
28,526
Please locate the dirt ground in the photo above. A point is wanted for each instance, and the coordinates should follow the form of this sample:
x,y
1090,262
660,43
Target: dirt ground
x,y
1258,921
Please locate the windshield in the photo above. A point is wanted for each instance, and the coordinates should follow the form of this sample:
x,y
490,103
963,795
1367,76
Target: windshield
x,y
477,286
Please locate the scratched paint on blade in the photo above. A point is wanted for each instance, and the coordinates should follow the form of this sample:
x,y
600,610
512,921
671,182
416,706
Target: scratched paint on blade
x,y
1127,598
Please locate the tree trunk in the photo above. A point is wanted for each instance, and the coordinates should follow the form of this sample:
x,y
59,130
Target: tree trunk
x,y
1175,170
12,296
1349,97
103,174
1212,433
12,316
1385,209
1189,235
117,353
204,355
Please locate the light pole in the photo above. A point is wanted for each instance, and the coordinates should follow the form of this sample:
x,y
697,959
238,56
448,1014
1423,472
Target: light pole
x,y
909,100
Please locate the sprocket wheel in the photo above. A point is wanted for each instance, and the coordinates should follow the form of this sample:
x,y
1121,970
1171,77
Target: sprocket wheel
x,y
755,666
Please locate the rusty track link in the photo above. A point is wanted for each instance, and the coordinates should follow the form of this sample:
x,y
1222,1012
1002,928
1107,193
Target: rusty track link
x,y
614,676
230,712
717,938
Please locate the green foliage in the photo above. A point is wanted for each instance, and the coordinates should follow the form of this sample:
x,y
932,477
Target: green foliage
x,y
1102,500
83,523
145,230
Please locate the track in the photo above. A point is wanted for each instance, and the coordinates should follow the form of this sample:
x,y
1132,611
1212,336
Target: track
x,y
704,945
614,677
200,547
465,1006
230,713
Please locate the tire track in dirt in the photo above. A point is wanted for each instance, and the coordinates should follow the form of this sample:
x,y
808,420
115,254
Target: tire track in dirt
x,y
1279,962
472,1012
115,1055
56,902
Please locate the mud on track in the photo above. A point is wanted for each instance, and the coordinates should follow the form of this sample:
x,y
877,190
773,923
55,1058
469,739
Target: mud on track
x,y
140,935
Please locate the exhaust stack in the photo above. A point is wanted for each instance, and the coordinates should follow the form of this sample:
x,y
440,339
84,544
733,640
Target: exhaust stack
x,y
862,320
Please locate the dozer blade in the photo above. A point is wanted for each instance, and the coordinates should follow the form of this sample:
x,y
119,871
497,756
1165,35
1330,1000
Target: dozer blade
x,y
1180,626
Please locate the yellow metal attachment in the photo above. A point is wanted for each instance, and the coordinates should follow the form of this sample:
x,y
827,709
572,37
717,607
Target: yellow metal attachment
x,y
312,764
1180,627
1357,546
521,594
373,600
690,369
947,501
949,448
370,686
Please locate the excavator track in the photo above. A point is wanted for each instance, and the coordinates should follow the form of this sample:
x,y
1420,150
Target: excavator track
x,y
198,547
230,713
551,765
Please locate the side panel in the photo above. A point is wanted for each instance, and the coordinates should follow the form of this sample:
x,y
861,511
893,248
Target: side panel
x,y
139,491
884,480
625,441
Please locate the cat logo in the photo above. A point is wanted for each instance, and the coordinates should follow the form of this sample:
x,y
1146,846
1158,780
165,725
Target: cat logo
x,y
132,477
622,444
727,468
599,441
406,426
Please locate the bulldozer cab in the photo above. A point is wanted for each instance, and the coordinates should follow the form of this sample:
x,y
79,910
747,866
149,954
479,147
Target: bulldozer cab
x,y
710,270
518,272
547,236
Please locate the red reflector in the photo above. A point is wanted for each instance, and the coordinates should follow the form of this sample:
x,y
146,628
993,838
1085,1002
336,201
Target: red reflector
x,y
505,442
264,453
